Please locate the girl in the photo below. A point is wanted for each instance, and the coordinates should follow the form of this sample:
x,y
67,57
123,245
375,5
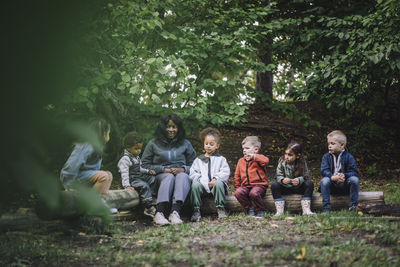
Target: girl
x,y
83,165
292,178
170,155
209,174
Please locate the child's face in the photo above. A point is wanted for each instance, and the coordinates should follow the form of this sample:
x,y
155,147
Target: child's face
x,y
334,146
210,144
107,136
135,149
289,156
249,149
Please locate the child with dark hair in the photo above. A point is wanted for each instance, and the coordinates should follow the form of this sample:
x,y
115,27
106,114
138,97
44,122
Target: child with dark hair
x,y
84,163
209,173
292,178
133,175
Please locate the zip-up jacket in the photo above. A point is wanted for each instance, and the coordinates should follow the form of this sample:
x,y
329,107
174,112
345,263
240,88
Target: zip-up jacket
x,y
130,167
161,154
251,172
204,169
349,166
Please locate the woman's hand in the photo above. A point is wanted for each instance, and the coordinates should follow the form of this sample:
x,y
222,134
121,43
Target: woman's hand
x,y
174,171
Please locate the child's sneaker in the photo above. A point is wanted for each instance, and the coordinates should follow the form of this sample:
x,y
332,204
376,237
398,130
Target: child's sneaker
x,y
353,208
221,213
112,210
260,214
160,219
150,211
174,218
251,212
196,217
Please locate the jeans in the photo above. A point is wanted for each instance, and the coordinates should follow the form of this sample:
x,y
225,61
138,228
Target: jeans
x,y
350,185
306,189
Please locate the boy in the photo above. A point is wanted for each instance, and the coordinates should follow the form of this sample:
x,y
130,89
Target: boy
x,y
133,176
250,179
339,172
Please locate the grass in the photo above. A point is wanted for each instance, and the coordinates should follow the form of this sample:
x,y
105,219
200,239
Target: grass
x,y
340,238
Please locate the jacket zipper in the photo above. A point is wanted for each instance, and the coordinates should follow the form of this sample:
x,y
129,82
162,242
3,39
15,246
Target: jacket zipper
x,y
247,172
259,176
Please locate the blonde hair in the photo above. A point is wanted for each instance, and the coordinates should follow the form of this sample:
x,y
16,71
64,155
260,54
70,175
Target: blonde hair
x,y
338,136
253,140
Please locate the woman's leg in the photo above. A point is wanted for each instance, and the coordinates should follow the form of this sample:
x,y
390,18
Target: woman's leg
x,y
181,190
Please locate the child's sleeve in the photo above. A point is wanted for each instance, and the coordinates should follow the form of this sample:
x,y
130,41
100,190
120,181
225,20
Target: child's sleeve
x,y
237,175
123,166
77,158
261,159
280,173
195,172
325,168
143,169
224,171
351,169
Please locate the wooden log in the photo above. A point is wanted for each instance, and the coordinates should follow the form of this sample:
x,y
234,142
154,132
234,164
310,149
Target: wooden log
x,y
380,210
292,202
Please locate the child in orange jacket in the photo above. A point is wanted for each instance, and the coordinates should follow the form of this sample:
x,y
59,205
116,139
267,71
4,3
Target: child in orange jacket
x,y
250,179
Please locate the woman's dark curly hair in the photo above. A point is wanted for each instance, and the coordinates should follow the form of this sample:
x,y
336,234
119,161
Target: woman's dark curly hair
x,y
161,133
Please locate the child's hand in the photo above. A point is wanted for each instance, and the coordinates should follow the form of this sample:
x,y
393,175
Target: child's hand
x,y
286,181
341,177
152,172
129,188
295,181
211,184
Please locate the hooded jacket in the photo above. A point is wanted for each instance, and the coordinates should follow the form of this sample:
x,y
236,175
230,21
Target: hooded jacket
x,y
251,172
165,153
348,165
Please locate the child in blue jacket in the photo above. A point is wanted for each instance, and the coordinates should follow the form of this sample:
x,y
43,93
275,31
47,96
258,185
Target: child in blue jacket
x,y
339,172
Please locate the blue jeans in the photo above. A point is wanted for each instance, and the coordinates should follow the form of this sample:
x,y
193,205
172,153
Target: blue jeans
x,y
350,185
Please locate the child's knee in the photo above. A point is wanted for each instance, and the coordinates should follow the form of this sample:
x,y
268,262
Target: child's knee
x,y
309,183
354,180
275,186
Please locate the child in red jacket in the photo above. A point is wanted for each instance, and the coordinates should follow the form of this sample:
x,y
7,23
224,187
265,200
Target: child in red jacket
x,y
250,179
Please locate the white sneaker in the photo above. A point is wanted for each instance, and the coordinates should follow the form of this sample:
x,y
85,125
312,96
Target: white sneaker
x,y
112,210
174,218
160,219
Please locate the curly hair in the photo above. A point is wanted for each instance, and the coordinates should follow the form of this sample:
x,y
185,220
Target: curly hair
x,y
131,139
161,133
210,131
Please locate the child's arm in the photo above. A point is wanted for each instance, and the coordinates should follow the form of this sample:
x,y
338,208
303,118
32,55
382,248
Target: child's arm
x,y
237,175
223,172
123,166
305,176
77,158
195,172
261,159
351,169
325,167
280,173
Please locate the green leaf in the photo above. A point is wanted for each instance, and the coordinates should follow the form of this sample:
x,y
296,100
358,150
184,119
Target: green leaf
x,y
150,60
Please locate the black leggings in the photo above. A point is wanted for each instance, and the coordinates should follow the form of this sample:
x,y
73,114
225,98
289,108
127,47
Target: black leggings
x,y
306,189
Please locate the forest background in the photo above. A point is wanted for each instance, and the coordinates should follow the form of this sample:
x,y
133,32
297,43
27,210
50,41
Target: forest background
x,y
211,62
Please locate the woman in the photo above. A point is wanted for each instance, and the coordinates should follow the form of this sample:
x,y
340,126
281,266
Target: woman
x,y
170,154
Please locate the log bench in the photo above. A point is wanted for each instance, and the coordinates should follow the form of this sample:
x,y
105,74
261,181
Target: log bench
x,y
129,199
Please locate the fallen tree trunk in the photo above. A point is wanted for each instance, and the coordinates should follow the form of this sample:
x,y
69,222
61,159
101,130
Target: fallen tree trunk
x,y
129,199
292,202
380,210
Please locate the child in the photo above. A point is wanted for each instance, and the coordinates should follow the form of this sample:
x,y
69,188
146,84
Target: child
x,y
339,172
250,178
83,165
292,178
133,176
209,173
